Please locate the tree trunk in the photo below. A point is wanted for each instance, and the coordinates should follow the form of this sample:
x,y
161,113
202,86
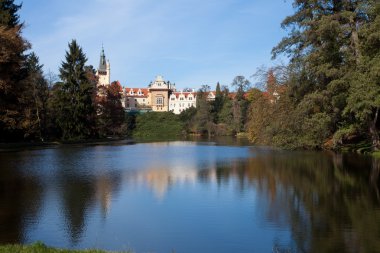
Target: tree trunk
x,y
375,174
355,43
37,113
373,131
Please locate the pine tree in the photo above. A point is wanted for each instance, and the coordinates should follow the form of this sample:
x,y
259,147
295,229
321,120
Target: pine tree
x,y
218,103
74,96
8,13
34,99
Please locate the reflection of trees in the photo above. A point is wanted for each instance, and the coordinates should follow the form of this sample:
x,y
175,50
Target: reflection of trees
x,y
83,183
78,196
330,202
80,193
20,199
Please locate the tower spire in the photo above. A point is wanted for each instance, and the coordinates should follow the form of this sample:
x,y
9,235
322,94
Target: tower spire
x,y
103,62
104,70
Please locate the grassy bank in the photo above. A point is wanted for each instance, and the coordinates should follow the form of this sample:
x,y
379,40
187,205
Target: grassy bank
x,y
42,248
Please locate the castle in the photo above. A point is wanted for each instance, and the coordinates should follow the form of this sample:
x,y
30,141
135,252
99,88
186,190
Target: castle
x,y
159,96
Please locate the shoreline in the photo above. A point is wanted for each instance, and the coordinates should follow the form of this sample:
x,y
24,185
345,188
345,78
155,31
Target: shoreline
x,y
20,145
42,248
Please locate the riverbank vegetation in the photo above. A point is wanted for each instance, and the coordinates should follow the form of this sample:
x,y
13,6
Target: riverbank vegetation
x,y
326,96
41,248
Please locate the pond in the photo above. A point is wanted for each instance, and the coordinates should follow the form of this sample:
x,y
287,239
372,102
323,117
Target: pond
x,y
190,197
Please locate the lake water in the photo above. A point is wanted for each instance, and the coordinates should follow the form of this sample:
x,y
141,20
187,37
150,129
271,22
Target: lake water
x,y
190,197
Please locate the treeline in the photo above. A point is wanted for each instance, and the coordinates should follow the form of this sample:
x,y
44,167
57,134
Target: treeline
x,y
38,107
328,96
226,115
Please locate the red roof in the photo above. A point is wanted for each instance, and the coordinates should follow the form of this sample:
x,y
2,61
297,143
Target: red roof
x,y
144,92
186,94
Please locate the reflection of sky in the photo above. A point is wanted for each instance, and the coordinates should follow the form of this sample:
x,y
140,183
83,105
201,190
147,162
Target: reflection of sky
x,y
150,198
175,163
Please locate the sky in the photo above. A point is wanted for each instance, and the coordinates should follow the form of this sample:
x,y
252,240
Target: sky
x,y
188,42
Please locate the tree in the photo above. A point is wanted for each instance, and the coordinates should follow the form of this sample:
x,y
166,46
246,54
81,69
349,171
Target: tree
x,y
364,94
110,110
202,122
35,99
74,96
8,13
241,86
218,103
12,72
327,52
239,103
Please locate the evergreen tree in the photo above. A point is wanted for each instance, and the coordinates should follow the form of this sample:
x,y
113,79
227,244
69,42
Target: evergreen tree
x,y
325,47
8,13
74,96
218,103
202,120
364,93
35,99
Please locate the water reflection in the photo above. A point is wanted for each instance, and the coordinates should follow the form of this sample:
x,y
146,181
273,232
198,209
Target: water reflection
x,y
191,198
20,196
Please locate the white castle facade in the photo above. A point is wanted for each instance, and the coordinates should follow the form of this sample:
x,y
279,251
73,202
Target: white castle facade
x,y
159,96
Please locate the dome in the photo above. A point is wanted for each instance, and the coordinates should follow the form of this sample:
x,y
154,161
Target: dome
x,y
159,78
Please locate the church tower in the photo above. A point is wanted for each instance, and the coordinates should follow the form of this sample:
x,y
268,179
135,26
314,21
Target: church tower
x,y
104,70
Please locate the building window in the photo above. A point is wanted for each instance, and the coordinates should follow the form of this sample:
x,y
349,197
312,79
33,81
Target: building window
x,y
172,99
190,98
160,101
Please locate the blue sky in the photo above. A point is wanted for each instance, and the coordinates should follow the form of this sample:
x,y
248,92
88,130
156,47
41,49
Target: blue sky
x,y
189,42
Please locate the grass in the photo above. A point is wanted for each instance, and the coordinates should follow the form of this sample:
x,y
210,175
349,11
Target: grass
x,y
42,248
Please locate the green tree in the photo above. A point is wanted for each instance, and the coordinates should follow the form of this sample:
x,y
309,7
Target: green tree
x,y
239,103
74,96
218,103
35,99
326,49
364,93
203,121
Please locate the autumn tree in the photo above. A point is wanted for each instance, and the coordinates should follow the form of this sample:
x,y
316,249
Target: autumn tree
x,y
110,110
12,71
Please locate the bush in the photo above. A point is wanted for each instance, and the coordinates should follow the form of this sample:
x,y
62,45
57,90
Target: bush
x,y
158,125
